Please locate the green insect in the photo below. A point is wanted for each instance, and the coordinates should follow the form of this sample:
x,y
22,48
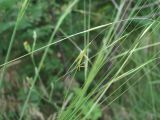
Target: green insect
x,y
79,59
81,56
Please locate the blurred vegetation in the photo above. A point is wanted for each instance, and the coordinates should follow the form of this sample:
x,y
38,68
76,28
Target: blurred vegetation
x,y
61,90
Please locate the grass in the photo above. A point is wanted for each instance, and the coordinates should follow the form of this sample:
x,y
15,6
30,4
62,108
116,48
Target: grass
x,y
20,15
118,66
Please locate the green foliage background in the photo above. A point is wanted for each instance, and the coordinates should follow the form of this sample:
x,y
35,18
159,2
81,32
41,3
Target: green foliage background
x,y
139,102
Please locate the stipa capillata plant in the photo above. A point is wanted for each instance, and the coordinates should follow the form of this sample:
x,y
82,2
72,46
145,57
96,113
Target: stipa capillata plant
x,y
112,55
